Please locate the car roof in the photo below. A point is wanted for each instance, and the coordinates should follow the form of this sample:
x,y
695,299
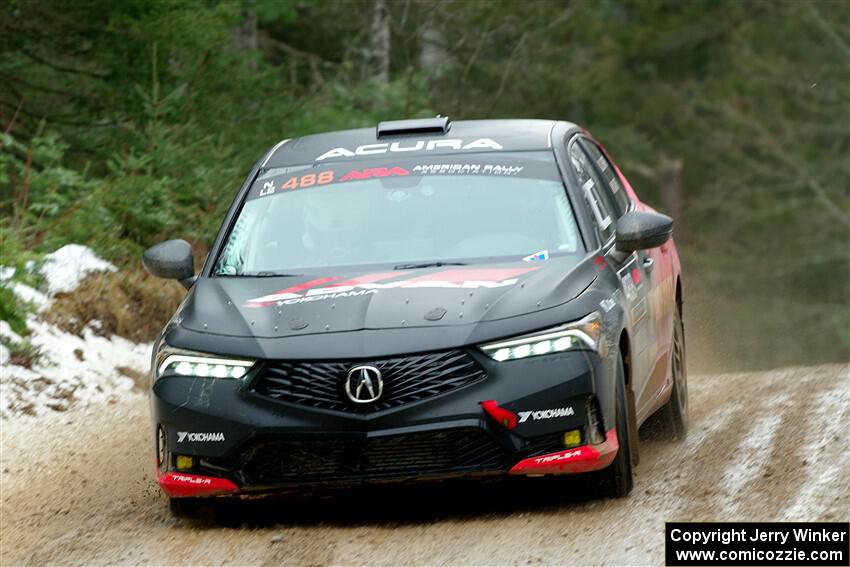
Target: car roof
x,y
510,134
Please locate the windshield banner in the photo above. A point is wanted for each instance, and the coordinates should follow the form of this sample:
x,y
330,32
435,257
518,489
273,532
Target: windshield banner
x,y
391,173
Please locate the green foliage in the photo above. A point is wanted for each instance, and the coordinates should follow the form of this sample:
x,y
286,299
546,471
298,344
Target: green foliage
x,y
21,264
12,310
280,11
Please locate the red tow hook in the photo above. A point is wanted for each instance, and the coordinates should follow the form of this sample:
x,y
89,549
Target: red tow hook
x,y
505,417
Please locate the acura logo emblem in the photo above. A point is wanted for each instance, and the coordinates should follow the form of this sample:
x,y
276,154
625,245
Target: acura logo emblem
x,y
364,385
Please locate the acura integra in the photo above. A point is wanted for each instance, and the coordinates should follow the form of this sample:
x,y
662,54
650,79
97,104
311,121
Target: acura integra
x,y
423,299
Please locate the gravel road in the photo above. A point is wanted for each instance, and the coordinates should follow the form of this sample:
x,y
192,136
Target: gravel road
x,y
77,488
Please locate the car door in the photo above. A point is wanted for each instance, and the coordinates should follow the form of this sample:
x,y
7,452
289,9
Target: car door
x,y
652,270
606,207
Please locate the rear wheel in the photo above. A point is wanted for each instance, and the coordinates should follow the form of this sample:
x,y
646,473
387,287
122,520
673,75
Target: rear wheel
x,y
618,475
674,414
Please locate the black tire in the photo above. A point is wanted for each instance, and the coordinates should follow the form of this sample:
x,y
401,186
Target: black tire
x,y
618,474
674,414
187,508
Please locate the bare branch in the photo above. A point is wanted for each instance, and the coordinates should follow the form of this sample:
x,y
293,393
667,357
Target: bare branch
x,y
506,73
14,117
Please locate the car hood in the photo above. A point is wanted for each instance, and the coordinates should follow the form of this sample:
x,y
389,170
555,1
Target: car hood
x,y
358,300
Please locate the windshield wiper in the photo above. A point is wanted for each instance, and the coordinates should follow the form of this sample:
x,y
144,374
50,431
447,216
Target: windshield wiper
x,y
261,274
427,265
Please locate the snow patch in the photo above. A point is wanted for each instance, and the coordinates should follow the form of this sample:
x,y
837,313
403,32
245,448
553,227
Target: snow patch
x,y
72,371
30,295
6,331
64,269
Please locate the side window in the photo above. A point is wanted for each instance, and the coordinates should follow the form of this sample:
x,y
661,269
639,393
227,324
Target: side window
x,y
591,185
612,182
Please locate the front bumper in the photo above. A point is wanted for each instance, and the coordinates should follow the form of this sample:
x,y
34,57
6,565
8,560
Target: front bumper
x,y
242,441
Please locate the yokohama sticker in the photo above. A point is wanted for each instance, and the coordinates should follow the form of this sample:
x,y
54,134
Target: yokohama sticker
x,y
545,414
199,437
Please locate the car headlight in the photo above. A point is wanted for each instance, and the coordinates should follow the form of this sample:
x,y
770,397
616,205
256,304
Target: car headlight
x,y
580,335
178,362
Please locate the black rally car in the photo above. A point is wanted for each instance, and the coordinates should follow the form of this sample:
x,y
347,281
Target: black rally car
x,y
423,299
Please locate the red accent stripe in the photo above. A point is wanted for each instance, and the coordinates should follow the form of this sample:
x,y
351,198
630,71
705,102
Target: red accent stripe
x,y
306,285
368,278
182,485
636,277
293,289
584,458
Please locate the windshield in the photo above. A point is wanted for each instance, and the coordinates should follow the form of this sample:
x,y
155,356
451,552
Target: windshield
x,y
505,206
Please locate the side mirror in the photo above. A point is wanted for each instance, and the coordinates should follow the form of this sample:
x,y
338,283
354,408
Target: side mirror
x,y
641,230
171,259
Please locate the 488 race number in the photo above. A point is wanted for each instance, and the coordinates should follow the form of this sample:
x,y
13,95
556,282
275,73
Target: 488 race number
x,y
307,180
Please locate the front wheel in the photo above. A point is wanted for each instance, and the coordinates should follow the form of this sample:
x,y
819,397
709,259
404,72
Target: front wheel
x,y
618,475
674,414
187,508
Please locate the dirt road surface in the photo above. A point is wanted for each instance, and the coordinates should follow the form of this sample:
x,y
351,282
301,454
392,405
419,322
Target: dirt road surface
x,y
77,488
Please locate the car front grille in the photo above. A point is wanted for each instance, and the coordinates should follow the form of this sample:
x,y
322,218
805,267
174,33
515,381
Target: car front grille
x,y
406,379
431,453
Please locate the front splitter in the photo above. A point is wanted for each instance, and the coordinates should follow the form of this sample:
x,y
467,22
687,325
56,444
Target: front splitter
x,y
183,485
585,458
